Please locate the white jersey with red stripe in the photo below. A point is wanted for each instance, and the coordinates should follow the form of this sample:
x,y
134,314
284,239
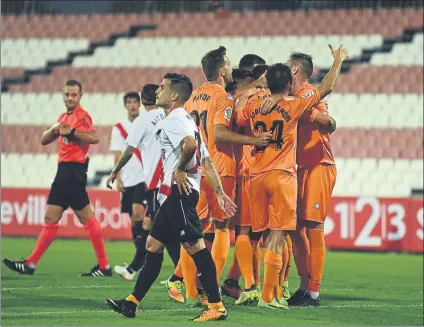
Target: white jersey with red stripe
x,y
143,136
132,173
174,128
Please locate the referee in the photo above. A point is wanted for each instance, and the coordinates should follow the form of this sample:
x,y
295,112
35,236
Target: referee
x,y
75,132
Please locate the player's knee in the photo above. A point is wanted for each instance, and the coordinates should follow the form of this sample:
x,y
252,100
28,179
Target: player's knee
x,y
243,230
153,245
147,223
50,220
138,212
255,236
194,246
314,225
222,224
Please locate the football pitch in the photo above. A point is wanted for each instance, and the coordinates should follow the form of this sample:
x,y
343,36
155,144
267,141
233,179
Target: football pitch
x,y
359,289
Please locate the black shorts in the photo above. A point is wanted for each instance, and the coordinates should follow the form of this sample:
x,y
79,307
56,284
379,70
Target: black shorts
x,y
139,195
177,219
69,186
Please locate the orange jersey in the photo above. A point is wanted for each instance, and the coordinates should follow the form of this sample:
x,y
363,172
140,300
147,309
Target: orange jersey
x,y
282,121
243,153
312,146
210,105
72,149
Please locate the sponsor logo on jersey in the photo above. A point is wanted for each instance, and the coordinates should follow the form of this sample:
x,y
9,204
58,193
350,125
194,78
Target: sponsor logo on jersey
x,y
308,95
227,113
316,206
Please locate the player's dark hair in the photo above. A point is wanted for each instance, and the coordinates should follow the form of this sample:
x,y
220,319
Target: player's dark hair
x,y
249,61
231,87
305,62
131,95
277,77
258,70
240,75
148,94
212,62
73,82
181,84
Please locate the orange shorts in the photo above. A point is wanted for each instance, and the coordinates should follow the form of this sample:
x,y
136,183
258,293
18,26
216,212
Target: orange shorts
x,y
315,187
273,201
242,217
208,206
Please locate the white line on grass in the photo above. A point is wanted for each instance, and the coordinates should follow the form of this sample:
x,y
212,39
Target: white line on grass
x,y
73,312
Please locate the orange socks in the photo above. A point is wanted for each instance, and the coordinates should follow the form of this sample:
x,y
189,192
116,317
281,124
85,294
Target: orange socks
x,y
220,250
279,287
316,260
96,237
273,263
234,271
301,255
178,269
190,273
289,258
244,253
47,236
256,263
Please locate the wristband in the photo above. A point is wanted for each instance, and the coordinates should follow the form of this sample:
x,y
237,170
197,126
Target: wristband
x,y
72,133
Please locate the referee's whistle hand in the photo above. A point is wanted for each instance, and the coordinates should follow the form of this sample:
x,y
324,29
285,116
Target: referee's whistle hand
x,y
110,180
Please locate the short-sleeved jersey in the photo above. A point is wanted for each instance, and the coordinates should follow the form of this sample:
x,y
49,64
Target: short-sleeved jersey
x,y
282,121
244,153
132,173
174,128
72,149
143,135
312,146
210,105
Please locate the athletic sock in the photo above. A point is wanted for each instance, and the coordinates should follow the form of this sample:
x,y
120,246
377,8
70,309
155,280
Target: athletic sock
x,y
316,260
279,288
220,250
174,251
96,237
273,263
47,236
244,253
178,272
207,274
289,258
175,278
190,274
301,255
139,238
148,274
256,263
234,271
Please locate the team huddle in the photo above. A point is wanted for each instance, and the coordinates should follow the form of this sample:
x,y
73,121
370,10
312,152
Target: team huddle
x,y
247,151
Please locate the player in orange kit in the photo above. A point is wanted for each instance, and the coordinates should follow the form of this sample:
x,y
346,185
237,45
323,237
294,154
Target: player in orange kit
x,y
316,179
212,108
273,170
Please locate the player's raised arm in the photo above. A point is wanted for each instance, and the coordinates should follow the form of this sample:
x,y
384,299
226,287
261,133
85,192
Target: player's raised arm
x,y
330,80
326,124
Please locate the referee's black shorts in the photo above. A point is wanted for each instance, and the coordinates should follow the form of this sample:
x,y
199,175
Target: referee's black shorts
x,y
177,219
69,186
138,194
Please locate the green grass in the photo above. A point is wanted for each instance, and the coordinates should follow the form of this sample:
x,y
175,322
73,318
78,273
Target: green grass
x,y
358,289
